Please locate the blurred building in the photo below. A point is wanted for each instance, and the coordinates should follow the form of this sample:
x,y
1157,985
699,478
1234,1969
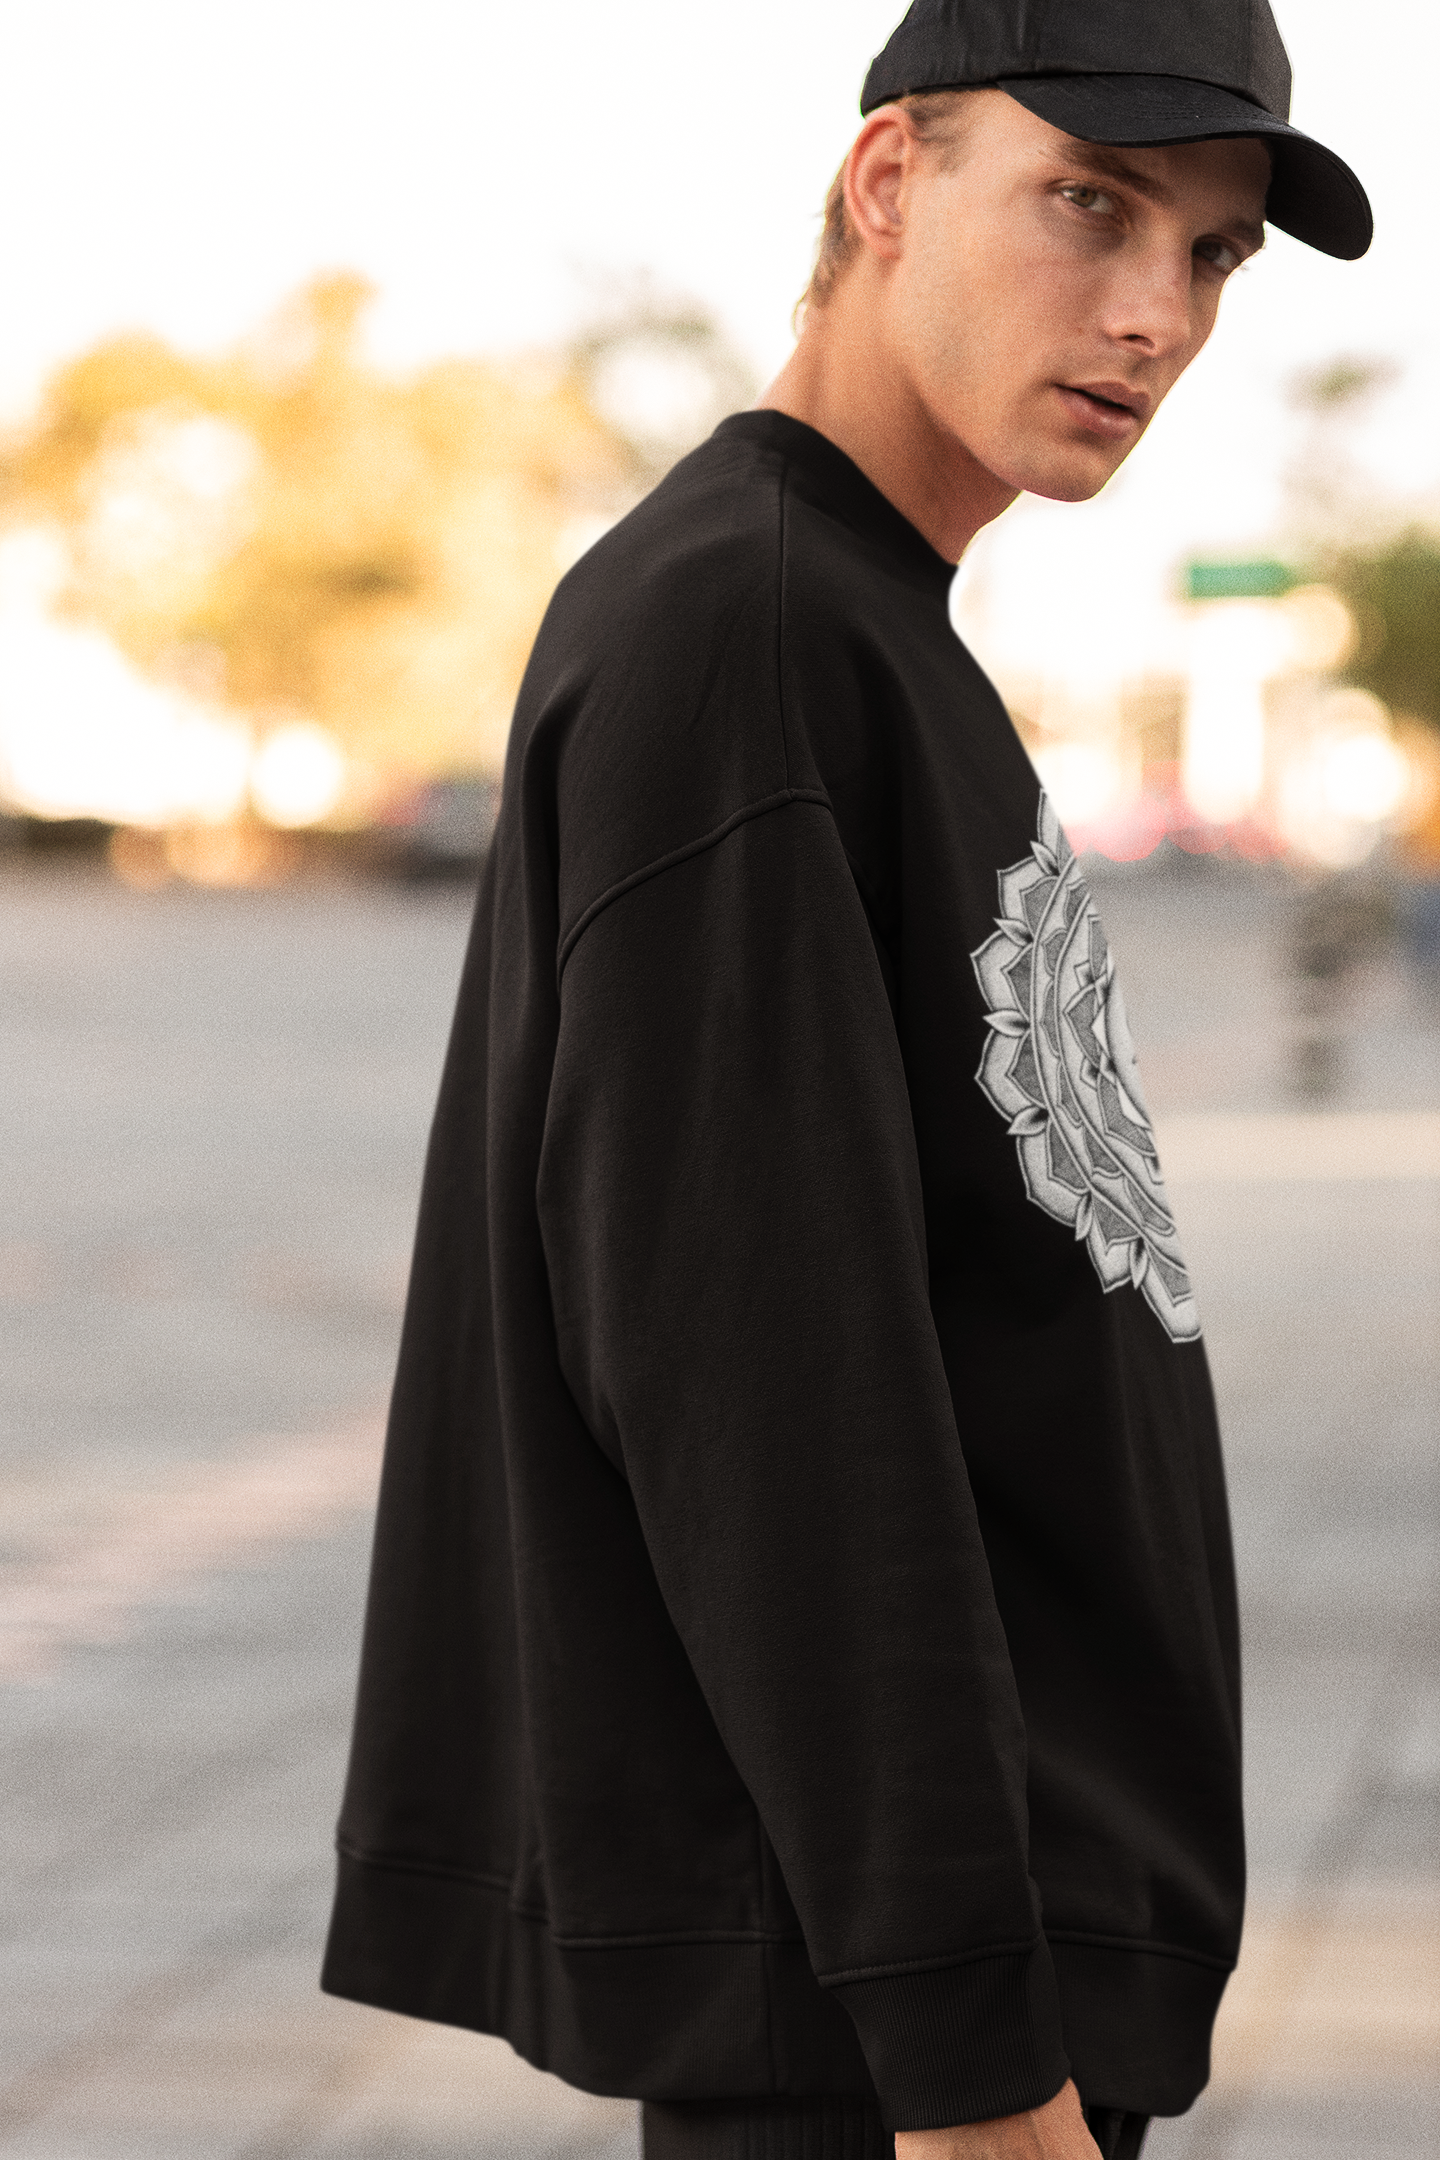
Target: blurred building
x,y
1217,714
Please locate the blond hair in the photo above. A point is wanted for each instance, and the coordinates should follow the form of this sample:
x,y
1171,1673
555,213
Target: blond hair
x,y
935,120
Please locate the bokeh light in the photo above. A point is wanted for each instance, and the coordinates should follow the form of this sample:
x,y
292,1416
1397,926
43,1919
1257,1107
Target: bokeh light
x,y
297,776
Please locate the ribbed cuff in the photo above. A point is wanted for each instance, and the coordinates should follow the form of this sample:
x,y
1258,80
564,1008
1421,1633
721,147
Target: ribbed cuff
x,y
1137,2023
964,2043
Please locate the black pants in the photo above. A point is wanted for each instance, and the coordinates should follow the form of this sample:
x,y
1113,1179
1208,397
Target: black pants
x,y
839,2129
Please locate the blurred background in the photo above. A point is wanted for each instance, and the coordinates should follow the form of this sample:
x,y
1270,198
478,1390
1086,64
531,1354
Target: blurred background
x,y
333,337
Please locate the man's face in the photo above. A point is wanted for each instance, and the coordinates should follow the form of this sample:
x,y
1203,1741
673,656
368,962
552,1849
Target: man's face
x,y
1046,293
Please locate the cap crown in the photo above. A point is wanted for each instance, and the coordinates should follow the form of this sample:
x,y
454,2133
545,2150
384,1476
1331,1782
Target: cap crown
x,y
946,44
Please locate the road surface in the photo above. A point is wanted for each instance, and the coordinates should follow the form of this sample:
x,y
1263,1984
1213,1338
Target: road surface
x,y
215,1108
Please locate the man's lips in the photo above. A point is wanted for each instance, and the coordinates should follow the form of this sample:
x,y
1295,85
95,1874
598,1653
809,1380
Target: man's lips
x,y
1111,409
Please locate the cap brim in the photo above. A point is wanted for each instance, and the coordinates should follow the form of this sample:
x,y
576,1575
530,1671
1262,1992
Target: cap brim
x,y
1313,195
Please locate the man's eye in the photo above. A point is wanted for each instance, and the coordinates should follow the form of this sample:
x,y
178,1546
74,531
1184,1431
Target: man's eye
x,y
1088,198
1219,252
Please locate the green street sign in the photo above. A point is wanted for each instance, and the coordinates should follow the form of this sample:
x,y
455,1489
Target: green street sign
x,y
1257,580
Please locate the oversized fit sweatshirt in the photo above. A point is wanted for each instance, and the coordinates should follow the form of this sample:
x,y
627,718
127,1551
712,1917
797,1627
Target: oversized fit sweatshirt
x,y
801,1651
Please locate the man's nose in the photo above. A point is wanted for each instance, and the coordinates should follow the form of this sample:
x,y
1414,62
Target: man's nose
x,y
1154,309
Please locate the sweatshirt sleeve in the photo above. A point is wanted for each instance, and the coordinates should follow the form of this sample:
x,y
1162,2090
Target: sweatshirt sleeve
x,y
731,1209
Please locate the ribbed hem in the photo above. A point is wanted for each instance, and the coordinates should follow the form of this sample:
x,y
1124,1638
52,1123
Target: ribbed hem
x,y
837,2128
699,2020
669,2021
964,2043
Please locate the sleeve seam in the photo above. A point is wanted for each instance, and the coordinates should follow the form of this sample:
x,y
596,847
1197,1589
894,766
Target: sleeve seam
x,y
1139,1945
778,801
418,1864
1134,1945
932,1964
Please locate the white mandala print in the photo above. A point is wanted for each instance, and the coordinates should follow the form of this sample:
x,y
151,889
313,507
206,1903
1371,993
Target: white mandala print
x,y
1060,1068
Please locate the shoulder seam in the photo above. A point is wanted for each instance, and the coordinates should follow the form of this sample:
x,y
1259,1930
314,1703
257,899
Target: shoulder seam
x,y
624,885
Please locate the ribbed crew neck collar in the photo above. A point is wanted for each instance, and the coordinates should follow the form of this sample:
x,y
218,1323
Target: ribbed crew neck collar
x,y
840,486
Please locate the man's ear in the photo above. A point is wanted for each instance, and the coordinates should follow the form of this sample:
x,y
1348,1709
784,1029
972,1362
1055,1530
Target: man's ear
x,y
882,158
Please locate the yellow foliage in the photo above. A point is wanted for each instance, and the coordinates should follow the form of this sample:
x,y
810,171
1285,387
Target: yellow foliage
x,y
290,528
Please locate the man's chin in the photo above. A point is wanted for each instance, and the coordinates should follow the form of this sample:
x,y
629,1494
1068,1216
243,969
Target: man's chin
x,y
1064,472
1079,473
1073,492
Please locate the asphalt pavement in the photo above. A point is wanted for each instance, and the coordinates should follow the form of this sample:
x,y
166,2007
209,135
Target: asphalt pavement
x,y
215,1106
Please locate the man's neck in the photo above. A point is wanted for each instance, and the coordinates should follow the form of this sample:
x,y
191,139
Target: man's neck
x,y
842,381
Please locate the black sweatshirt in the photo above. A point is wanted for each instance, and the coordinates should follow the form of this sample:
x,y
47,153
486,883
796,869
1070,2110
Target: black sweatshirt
x,y
801,1651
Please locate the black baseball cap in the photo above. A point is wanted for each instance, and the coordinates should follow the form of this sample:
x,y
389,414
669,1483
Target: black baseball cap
x,y
1139,73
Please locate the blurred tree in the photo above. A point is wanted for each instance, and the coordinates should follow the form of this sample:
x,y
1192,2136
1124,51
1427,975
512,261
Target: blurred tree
x,y
285,527
661,371
1394,593
1346,527
1332,500
1340,383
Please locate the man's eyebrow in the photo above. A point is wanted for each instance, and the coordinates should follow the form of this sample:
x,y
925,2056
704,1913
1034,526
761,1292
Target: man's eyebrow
x,y
1100,158
1113,165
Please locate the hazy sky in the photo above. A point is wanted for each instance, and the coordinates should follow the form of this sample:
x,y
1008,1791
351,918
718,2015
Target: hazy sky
x,y
181,165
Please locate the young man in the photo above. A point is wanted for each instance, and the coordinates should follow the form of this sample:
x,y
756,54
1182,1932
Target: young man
x,y
800,1679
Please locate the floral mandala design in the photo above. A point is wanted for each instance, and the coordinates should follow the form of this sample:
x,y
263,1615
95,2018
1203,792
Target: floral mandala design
x,y
1060,1068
